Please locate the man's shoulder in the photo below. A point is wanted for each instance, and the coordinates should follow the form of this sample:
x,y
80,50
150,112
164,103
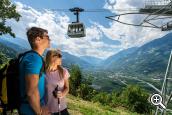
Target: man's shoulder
x,y
33,57
31,63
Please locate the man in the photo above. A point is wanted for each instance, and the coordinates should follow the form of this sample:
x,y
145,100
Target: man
x,y
31,77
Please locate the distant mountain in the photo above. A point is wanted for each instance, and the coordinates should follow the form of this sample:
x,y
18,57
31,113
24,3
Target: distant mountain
x,y
151,58
123,54
69,59
23,43
91,60
18,41
16,47
16,44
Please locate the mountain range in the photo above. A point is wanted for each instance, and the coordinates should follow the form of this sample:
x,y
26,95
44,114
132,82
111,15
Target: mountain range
x,y
91,60
11,49
149,59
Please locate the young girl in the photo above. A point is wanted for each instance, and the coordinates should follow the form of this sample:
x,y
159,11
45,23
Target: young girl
x,y
57,85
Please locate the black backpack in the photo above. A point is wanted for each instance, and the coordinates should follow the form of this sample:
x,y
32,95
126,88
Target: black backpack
x,y
10,74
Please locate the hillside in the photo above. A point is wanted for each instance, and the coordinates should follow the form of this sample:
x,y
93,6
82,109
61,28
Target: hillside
x,y
9,52
78,106
114,58
148,59
6,53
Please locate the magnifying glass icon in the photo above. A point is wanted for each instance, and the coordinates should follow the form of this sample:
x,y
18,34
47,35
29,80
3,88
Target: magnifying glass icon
x,y
156,100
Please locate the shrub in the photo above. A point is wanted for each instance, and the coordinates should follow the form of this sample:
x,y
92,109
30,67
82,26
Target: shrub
x,y
136,99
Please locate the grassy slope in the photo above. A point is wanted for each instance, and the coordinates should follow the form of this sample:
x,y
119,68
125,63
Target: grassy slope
x,y
78,106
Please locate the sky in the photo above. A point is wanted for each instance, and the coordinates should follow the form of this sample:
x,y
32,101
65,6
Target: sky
x,y
104,37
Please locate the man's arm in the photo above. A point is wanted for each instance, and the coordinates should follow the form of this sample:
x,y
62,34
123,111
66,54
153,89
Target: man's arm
x,y
33,92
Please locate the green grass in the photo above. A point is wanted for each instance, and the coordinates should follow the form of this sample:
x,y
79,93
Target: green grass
x,y
78,106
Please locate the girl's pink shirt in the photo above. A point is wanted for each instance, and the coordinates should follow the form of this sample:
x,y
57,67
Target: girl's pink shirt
x,y
51,81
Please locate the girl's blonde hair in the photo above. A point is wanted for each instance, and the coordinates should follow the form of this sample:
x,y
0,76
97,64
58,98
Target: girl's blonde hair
x,y
50,55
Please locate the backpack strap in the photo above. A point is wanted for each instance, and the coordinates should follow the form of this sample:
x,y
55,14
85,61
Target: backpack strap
x,y
21,56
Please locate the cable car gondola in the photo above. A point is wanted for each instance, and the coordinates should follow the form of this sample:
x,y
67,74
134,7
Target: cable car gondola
x,y
76,29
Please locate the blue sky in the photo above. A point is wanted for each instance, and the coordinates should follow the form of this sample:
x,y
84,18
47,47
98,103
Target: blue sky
x,y
103,36
66,4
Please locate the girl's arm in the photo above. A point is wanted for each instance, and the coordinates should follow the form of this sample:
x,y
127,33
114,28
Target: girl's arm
x,y
65,90
66,87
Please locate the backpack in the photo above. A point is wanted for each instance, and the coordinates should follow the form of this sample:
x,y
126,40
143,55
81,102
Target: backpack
x,y
9,82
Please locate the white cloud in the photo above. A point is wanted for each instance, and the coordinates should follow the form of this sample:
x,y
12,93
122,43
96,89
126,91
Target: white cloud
x,y
134,36
91,45
57,23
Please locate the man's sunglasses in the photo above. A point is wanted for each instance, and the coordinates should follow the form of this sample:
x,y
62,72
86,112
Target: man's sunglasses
x,y
47,37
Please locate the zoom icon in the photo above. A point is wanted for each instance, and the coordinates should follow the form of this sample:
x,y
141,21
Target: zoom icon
x,y
156,100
